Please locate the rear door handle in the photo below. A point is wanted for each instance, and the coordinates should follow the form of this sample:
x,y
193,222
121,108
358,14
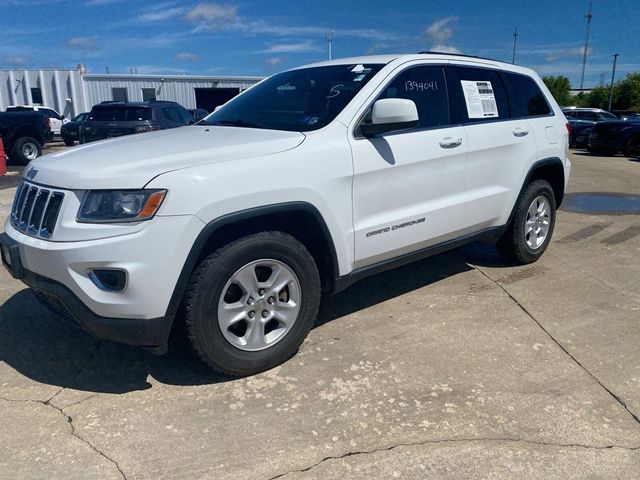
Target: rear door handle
x,y
450,142
520,132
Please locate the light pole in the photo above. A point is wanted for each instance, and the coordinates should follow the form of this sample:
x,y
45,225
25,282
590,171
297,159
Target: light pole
x,y
588,16
515,39
330,41
613,76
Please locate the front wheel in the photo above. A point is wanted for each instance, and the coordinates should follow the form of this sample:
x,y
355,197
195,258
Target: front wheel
x,y
68,141
530,230
250,304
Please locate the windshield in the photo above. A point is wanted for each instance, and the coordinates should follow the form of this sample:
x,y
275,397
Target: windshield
x,y
297,100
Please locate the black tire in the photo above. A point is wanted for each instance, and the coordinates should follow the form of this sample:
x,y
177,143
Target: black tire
x,y
201,300
25,149
69,142
632,149
512,245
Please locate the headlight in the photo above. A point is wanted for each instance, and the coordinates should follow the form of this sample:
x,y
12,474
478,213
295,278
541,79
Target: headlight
x,y
116,206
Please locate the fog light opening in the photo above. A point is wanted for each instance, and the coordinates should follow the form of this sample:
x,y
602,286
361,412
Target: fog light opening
x,y
109,280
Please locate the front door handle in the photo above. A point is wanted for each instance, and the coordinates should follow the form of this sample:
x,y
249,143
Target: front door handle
x,y
520,132
450,142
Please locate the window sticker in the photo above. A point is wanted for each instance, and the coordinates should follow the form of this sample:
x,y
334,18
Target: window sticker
x,y
480,99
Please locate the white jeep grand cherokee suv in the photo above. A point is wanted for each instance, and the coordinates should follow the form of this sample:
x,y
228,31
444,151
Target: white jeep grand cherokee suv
x,y
307,182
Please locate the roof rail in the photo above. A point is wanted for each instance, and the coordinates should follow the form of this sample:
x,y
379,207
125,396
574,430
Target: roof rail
x,y
459,55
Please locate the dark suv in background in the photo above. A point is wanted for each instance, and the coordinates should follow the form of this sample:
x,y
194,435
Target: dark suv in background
x,y
610,138
115,119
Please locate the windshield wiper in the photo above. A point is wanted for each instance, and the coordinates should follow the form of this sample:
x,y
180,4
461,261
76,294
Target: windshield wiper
x,y
238,123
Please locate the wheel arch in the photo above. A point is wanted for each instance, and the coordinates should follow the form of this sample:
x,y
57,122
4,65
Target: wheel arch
x,y
551,170
302,220
27,131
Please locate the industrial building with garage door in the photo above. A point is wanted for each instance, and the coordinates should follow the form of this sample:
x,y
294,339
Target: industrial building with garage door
x,y
71,92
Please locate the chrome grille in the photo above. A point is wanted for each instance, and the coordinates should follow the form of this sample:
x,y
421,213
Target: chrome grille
x,y
35,210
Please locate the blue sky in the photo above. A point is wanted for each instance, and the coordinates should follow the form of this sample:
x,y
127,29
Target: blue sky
x,y
260,37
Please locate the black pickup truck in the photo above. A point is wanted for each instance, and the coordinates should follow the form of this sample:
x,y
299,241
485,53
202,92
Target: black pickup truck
x,y
24,134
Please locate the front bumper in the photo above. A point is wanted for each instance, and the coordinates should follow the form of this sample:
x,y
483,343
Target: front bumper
x,y
152,258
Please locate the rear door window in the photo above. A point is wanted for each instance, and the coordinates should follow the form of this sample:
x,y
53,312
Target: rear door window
x,y
525,97
477,95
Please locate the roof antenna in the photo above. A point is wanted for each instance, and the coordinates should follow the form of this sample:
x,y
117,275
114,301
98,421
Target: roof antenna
x,y
515,39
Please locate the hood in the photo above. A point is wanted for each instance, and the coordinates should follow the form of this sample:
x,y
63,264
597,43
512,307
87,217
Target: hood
x,y
132,161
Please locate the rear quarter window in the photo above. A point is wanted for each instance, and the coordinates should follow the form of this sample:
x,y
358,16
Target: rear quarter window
x,y
525,97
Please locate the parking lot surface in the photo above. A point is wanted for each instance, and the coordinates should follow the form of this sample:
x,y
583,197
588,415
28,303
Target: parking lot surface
x,y
458,366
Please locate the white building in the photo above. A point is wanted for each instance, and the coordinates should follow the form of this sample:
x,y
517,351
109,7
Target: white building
x,y
71,92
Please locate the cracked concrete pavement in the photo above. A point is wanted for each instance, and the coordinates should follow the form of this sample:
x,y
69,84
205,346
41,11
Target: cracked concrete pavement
x,y
454,367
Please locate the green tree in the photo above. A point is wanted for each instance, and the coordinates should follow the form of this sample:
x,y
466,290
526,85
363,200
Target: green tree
x,y
559,87
626,93
597,98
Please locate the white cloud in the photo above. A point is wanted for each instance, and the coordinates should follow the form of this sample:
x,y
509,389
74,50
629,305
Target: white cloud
x,y
187,57
159,15
441,30
444,49
306,46
568,53
16,60
211,16
275,61
82,43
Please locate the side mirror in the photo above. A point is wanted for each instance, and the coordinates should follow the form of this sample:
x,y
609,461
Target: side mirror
x,y
62,117
391,114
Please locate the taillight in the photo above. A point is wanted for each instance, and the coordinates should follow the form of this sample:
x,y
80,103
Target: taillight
x,y
569,129
47,122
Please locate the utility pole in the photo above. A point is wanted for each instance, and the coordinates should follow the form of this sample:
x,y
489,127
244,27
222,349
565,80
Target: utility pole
x,y
330,41
589,16
613,76
515,40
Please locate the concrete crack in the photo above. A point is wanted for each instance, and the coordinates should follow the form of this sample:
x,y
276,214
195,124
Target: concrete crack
x,y
619,400
79,371
75,434
454,441
69,420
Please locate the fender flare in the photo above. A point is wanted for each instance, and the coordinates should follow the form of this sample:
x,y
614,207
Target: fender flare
x,y
215,225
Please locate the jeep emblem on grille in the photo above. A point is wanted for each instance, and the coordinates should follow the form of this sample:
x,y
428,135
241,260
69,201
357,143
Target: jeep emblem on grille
x,y
31,173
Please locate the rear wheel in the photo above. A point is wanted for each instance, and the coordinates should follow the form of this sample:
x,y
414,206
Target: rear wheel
x,y
250,304
531,227
26,149
633,148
